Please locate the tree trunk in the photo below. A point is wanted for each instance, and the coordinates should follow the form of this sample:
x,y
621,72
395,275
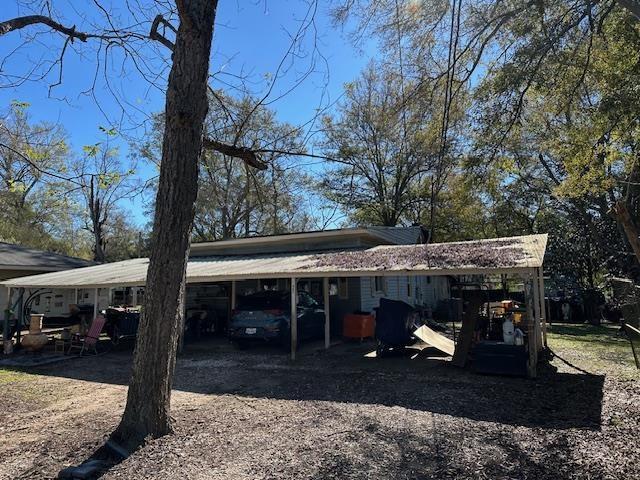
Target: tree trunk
x,y
148,400
630,229
96,224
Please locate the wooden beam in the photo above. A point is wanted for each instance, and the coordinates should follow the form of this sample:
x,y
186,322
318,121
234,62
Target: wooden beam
x,y
327,320
475,299
294,317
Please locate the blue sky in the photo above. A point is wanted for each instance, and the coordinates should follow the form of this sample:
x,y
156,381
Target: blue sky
x,y
251,37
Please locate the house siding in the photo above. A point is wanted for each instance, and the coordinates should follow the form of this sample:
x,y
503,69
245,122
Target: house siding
x,y
424,291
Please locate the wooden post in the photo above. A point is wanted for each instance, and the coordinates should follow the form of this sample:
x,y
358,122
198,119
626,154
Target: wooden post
x,y
233,294
76,301
327,324
95,303
531,329
6,343
543,309
134,296
536,307
294,318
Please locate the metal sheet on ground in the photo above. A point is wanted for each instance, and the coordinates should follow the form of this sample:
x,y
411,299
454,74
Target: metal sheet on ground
x,y
436,340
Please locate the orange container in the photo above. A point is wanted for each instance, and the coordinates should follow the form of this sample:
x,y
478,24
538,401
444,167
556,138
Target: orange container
x,y
360,326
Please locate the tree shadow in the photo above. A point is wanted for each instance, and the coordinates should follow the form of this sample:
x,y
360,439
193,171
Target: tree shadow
x,y
444,454
419,380
99,463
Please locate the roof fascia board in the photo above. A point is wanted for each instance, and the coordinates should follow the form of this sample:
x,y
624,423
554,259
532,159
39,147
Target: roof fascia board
x,y
31,268
300,275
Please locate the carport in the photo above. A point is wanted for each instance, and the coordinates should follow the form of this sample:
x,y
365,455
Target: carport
x,y
521,257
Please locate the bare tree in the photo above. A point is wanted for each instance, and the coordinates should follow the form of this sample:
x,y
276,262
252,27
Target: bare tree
x,y
104,183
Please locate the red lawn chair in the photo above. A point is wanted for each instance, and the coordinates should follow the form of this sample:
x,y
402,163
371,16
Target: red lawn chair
x,y
90,340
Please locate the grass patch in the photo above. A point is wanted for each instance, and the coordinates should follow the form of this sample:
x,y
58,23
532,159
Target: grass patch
x,y
594,348
9,375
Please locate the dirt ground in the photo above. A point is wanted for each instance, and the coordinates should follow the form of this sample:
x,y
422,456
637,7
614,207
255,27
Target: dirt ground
x,y
339,415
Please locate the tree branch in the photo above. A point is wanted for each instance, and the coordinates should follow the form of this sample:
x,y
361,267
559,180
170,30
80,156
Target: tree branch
x,y
22,22
245,154
157,36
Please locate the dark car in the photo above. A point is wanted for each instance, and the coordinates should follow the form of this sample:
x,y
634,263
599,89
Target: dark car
x,y
266,317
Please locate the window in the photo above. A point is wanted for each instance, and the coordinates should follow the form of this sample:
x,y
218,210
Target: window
x,y
379,286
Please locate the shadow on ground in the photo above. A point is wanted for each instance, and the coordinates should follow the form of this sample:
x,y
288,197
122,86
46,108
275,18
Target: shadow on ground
x,y
420,380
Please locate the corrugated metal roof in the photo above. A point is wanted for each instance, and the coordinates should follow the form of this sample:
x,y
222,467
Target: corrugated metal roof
x,y
501,255
17,257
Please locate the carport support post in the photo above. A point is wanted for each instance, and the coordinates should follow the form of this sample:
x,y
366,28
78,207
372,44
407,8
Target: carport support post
x,y
95,303
294,317
532,343
233,294
327,324
536,308
5,325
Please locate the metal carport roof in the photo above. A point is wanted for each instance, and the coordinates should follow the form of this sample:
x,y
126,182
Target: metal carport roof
x,y
497,255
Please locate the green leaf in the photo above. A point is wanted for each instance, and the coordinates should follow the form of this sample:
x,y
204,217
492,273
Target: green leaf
x,y
109,131
91,150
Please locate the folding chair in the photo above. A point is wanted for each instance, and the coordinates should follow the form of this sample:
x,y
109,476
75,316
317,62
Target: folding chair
x,y
90,340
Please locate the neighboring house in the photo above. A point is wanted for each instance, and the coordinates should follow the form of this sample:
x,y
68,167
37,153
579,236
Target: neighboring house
x,y
18,261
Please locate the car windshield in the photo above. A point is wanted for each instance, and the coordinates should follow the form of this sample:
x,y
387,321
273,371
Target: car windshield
x,y
263,301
